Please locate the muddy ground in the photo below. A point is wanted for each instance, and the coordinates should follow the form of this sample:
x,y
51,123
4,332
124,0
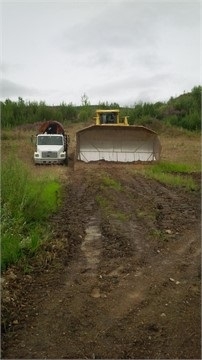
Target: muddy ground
x,y
120,278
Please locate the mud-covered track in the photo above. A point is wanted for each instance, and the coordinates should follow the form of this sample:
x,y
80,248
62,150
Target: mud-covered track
x,y
125,280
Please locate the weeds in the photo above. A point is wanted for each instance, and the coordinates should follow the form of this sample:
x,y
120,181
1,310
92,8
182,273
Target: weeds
x,y
123,217
111,183
142,214
102,202
26,204
158,234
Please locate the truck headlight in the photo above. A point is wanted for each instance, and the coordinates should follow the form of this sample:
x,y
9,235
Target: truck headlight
x,y
36,155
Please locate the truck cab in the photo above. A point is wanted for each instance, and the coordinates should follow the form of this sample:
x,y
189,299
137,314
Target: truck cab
x,y
51,145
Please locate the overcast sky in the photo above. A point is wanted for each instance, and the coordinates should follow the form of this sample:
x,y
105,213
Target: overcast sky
x,y
111,50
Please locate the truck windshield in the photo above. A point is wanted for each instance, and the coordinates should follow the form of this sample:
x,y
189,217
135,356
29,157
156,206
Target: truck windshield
x,y
50,140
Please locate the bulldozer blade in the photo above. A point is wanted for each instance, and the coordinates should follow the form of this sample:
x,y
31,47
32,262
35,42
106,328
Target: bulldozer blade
x,y
117,144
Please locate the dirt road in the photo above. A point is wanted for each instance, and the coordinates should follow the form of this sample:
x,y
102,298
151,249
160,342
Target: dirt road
x,y
121,277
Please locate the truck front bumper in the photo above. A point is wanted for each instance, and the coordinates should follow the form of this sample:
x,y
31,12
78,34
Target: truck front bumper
x,y
48,161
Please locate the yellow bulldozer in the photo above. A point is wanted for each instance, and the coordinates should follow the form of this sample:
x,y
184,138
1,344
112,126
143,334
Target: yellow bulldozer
x,y
113,139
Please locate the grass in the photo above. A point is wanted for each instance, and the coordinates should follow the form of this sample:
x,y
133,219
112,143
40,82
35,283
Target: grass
x,y
169,167
174,174
121,216
158,234
102,202
175,180
108,187
111,183
106,206
181,148
142,214
105,201
27,202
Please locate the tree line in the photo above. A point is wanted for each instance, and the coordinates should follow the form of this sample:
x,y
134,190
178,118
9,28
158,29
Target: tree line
x,y
183,111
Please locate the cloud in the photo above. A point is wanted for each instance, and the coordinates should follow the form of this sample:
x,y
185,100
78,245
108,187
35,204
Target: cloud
x,y
10,67
10,89
115,50
130,89
114,27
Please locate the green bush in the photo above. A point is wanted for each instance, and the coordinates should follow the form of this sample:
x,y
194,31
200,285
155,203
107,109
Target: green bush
x,y
84,116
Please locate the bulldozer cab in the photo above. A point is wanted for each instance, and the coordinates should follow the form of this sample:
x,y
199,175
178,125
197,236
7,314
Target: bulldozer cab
x,y
104,117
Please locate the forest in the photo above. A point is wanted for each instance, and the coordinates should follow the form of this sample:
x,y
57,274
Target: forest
x,y
183,111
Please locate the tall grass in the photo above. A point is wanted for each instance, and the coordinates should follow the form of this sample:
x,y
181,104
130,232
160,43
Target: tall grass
x,y
25,205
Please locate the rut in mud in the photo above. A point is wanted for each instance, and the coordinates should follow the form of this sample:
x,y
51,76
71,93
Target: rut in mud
x,y
124,281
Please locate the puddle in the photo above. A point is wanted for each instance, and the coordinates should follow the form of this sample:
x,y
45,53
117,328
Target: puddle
x,y
92,246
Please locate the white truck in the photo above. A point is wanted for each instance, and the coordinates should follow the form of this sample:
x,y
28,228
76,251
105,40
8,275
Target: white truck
x,y
51,144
